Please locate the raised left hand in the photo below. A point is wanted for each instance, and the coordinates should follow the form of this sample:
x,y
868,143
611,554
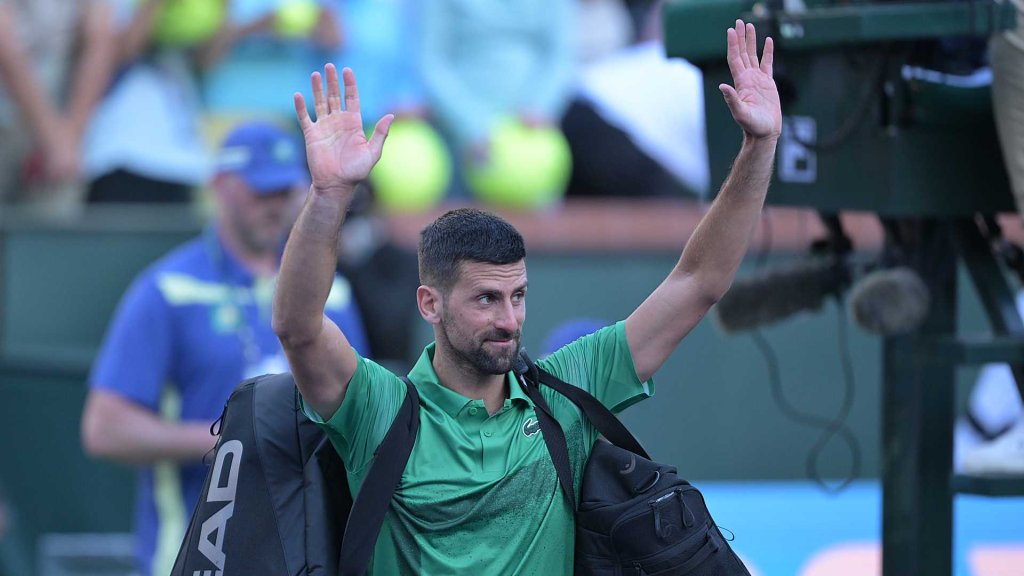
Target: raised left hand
x,y
337,150
754,102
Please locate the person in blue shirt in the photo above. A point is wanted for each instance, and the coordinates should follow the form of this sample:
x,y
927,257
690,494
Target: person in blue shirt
x,y
191,327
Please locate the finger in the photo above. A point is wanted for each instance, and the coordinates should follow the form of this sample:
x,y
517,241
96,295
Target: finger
x,y
301,112
733,53
768,56
380,134
333,90
351,91
732,99
741,44
752,45
319,102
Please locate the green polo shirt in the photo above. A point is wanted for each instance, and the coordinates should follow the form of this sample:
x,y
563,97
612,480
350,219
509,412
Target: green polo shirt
x,y
479,494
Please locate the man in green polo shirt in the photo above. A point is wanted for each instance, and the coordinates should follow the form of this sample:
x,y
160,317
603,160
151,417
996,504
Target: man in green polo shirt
x,y
479,494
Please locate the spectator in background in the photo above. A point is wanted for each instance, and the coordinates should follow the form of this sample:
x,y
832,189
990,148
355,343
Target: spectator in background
x,y
267,47
485,61
166,45
191,327
380,41
56,60
646,139
602,28
145,143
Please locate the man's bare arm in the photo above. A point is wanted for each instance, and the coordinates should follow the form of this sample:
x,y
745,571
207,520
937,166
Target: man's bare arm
x,y
95,65
339,157
117,429
715,250
20,81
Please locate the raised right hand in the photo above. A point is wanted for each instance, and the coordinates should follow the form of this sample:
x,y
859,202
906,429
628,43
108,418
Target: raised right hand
x,y
337,151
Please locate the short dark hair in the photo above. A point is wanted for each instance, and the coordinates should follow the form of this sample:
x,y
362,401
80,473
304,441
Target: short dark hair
x,y
465,234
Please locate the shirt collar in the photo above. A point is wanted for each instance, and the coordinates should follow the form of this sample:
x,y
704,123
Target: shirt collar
x,y
226,265
423,375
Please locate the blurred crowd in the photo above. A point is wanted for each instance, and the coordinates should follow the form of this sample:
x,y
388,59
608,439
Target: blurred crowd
x,y
515,104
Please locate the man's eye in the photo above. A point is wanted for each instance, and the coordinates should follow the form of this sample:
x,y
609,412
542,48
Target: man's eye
x,y
518,297
485,299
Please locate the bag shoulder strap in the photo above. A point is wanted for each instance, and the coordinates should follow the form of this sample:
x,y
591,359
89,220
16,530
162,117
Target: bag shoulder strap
x,y
601,417
554,437
371,503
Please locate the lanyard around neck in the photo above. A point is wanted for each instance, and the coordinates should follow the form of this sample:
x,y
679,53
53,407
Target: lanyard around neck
x,y
233,297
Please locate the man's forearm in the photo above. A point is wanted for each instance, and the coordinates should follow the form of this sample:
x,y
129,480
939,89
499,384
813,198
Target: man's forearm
x,y
719,243
168,441
308,266
116,429
135,38
95,66
21,83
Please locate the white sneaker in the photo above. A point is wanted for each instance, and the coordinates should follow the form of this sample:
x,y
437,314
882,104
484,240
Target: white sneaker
x,y
966,439
1002,456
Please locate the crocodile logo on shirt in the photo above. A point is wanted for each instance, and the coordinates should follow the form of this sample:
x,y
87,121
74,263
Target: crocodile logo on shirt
x,y
531,427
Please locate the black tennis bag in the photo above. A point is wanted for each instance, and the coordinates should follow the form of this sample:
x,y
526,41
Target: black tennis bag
x,y
290,486
635,516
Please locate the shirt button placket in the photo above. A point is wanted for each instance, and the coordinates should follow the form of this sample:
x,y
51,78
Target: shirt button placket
x,y
492,456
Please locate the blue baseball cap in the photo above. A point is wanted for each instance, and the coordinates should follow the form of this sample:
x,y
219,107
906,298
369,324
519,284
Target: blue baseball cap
x,y
264,155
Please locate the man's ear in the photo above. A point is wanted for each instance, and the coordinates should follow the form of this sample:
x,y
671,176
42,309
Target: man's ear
x,y
430,304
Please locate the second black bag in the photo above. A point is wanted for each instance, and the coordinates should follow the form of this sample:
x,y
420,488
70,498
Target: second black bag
x,y
635,516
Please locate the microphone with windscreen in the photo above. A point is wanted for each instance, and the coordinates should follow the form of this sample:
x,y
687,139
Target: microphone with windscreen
x,y
778,293
889,302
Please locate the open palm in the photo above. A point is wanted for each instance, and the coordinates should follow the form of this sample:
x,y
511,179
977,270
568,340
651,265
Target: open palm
x,y
337,150
754,102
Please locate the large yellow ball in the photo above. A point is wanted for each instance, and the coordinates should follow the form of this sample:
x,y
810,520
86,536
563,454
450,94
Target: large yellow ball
x,y
296,18
188,22
527,167
415,169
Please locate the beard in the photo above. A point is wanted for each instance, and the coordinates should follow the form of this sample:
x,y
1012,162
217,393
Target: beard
x,y
474,353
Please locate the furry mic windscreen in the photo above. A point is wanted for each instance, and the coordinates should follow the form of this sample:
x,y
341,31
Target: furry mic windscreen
x,y
780,292
889,302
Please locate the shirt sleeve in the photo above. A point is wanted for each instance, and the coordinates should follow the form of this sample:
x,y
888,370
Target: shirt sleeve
x,y
601,364
135,358
372,400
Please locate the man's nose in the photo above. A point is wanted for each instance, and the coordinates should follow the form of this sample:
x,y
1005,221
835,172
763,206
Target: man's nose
x,y
506,318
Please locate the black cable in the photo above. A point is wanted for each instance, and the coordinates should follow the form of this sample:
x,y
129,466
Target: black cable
x,y
835,427
838,425
830,428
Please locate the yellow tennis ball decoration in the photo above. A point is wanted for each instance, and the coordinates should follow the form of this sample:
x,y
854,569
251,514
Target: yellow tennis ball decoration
x,y
188,22
527,167
415,169
296,18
